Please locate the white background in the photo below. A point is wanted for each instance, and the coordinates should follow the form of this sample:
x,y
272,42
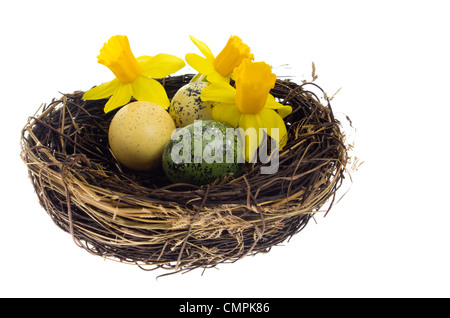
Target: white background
x,y
388,237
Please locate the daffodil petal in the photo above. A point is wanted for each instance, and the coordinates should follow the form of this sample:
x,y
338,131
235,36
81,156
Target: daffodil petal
x,y
101,91
219,92
227,113
203,48
251,121
216,77
270,121
283,110
148,89
120,97
160,65
251,124
200,64
143,59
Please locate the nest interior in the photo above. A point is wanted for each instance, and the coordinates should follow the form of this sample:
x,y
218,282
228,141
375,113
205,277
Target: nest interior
x,y
141,218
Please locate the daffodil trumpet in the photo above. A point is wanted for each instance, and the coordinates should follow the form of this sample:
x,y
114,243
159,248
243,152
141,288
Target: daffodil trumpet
x,y
134,77
249,105
218,68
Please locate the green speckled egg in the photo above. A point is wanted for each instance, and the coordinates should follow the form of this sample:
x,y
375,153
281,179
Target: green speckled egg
x,y
203,152
186,105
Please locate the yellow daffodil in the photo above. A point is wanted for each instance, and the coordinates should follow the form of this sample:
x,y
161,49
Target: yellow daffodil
x,y
219,68
250,105
134,76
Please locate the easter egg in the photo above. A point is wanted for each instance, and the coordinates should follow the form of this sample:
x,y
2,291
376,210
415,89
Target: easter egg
x,y
138,133
203,152
187,106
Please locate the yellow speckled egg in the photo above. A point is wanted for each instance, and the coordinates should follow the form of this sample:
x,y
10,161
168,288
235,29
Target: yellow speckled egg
x,y
187,106
138,133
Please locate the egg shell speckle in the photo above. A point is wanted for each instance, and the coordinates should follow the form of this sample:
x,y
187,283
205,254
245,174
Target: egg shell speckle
x,y
138,134
187,106
200,167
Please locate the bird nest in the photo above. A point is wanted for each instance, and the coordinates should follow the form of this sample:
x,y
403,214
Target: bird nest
x,y
143,219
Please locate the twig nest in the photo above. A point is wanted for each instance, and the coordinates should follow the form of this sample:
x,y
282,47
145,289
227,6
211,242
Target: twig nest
x,y
145,219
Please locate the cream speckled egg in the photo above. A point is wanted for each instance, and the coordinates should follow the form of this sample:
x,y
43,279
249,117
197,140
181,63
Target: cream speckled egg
x,y
138,133
186,105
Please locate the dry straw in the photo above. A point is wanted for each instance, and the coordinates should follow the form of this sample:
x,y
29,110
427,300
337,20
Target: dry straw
x,y
142,219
